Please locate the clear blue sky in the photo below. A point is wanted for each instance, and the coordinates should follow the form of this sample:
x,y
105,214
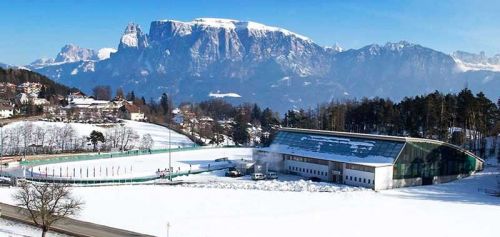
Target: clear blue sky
x,y
34,29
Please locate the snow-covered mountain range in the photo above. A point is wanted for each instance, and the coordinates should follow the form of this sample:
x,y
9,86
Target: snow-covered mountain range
x,y
474,62
269,65
71,53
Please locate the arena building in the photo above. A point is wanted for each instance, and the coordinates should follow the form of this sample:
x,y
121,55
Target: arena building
x,y
373,161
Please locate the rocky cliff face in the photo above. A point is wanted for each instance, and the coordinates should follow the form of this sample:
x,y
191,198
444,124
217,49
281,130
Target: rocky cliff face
x,y
475,62
269,65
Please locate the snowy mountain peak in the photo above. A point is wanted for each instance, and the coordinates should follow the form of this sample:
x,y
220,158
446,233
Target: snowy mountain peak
x,y
73,53
133,37
475,62
254,28
336,48
398,45
42,62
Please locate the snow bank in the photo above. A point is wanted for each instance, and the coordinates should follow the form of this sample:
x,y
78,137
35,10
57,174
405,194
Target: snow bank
x,y
15,229
285,182
275,185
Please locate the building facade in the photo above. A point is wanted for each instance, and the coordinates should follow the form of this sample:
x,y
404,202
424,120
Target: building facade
x,y
372,161
6,111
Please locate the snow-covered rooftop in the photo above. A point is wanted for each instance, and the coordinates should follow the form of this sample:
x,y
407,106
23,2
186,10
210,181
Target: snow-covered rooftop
x,y
364,149
375,161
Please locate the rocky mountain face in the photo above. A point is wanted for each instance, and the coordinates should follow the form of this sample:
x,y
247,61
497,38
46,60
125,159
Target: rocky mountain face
x,y
71,53
264,64
474,62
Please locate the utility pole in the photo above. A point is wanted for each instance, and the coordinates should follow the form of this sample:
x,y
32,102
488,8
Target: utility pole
x,y
169,156
1,142
1,147
168,229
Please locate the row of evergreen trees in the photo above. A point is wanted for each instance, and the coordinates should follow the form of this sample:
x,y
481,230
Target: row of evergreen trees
x,y
440,116
437,116
19,76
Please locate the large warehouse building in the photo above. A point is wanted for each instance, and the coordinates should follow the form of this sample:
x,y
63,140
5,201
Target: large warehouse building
x,y
374,161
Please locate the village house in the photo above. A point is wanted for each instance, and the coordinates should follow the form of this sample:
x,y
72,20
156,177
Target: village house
x,y
30,87
132,112
6,110
7,88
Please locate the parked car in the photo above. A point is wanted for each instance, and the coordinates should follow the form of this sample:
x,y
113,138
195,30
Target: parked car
x,y
272,175
258,176
5,181
232,172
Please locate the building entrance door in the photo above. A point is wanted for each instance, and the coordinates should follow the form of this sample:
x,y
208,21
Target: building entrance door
x,y
336,178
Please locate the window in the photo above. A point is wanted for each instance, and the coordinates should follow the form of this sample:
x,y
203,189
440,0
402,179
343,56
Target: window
x,y
355,179
346,177
350,177
368,181
364,180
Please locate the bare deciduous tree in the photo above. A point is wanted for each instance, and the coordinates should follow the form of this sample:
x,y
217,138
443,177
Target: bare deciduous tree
x,y
46,203
147,142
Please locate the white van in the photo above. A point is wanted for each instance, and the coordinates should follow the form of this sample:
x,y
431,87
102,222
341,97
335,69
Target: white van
x,y
258,176
272,175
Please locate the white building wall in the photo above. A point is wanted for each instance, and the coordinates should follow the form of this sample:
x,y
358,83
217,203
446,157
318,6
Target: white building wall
x,y
6,113
136,116
383,177
307,169
358,178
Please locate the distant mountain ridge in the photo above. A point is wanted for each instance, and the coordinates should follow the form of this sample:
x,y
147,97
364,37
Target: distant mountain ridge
x,y
474,62
269,65
71,53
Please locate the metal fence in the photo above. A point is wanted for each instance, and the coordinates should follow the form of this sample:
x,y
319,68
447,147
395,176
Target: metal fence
x,y
69,158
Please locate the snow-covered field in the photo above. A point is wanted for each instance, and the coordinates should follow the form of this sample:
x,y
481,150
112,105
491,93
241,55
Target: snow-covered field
x,y
451,209
14,229
158,133
142,166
